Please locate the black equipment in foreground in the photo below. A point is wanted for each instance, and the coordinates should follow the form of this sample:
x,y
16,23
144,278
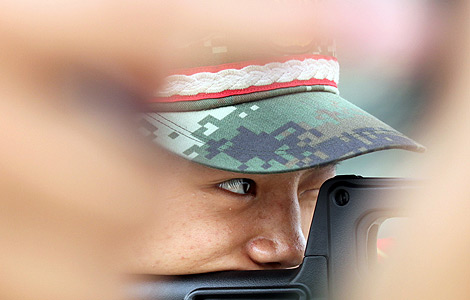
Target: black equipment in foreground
x,y
341,248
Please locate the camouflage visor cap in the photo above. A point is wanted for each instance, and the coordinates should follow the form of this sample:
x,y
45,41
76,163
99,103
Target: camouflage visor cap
x,y
262,118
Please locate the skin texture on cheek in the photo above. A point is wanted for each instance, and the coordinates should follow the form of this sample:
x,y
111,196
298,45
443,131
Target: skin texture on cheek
x,y
194,242
308,201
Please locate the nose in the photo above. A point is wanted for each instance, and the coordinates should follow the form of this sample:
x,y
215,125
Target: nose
x,y
276,240
277,252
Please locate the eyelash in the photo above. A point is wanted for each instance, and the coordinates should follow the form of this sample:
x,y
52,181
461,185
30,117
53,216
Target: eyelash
x,y
240,186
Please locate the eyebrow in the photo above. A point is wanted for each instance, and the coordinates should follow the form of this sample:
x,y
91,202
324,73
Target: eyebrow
x,y
331,166
312,176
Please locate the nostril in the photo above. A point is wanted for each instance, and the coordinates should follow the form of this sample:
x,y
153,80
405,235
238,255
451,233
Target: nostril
x,y
272,265
274,254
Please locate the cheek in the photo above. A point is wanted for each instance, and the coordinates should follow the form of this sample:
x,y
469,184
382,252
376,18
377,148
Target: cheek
x,y
191,246
195,232
307,209
306,222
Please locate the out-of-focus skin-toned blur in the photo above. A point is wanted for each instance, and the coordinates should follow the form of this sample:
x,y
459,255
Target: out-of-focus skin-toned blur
x,y
431,259
72,189
75,185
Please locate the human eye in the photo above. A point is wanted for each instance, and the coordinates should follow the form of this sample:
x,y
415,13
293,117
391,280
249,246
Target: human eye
x,y
242,186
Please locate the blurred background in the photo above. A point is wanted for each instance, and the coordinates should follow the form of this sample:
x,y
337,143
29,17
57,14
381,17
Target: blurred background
x,y
393,77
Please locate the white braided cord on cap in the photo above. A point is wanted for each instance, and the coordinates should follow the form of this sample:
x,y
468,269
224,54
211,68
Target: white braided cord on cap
x,y
249,76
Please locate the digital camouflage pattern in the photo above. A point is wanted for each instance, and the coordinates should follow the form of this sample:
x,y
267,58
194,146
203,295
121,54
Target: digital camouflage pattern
x,y
276,134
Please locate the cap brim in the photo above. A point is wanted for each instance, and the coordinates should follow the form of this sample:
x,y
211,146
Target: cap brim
x,y
280,134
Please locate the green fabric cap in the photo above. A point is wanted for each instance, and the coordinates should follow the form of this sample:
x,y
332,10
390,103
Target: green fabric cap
x,y
278,134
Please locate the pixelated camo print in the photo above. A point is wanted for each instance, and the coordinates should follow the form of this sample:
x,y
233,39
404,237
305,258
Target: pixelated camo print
x,y
279,134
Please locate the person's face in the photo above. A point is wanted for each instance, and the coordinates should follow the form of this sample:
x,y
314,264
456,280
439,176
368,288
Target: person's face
x,y
216,220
